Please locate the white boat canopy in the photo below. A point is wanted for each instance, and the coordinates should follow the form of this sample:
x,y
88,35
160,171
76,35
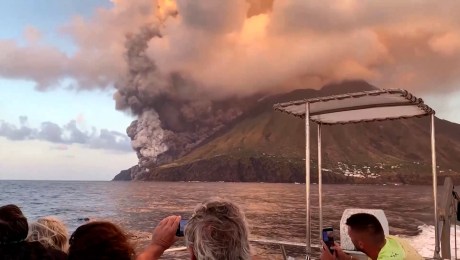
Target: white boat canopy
x,y
365,106
375,105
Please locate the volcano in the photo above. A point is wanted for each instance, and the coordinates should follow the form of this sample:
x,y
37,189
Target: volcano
x,y
262,145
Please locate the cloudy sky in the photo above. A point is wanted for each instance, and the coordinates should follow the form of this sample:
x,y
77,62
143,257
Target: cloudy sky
x,y
59,132
71,72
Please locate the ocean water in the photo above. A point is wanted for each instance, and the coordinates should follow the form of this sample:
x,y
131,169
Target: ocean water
x,y
274,211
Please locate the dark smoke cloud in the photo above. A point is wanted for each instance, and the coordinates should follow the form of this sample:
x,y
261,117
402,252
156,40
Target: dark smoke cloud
x,y
66,135
179,69
174,114
254,45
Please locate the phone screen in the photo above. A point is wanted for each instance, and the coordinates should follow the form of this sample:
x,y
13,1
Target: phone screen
x,y
181,227
328,238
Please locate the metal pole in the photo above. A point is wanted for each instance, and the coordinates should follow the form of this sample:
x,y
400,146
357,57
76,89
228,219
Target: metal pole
x,y
307,176
435,189
455,226
320,184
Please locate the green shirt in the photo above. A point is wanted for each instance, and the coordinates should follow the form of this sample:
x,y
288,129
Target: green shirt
x,y
392,250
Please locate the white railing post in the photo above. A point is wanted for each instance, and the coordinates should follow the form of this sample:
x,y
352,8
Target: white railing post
x,y
435,189
307,177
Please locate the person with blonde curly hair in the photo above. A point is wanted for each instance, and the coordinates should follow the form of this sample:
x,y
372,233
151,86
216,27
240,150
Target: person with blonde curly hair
x,y
50,232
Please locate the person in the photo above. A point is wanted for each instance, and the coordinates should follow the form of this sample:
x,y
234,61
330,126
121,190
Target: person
x,y
100,240
217,230
13,233
51,232
367,235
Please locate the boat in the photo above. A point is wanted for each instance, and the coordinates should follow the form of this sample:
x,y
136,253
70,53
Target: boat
x,y
362,107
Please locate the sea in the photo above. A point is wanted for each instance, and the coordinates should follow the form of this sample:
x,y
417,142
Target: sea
x,y
274,211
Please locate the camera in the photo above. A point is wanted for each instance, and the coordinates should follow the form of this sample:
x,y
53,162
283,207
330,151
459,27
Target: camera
x,y
181,227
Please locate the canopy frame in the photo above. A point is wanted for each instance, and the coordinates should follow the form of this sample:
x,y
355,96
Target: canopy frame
x,y
410,100
406,100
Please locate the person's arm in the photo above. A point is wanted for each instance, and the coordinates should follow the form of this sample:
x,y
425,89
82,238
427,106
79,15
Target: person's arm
x,y
163,237
152,252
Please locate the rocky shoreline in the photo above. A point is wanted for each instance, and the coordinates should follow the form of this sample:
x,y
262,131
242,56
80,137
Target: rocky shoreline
x,y
280,170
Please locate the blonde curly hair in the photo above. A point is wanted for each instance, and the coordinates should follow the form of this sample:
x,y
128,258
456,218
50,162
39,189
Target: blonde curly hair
x,y
50,232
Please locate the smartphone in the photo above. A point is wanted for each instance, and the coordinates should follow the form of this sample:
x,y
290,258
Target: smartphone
x,y
328,238
181,227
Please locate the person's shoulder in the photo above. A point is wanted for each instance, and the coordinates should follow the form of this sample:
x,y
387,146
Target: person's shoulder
x,y
392,250
410,252
57,254
35,250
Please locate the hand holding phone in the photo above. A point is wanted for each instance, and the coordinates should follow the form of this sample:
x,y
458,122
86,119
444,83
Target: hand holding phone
x,y
164,233
181,227
328,238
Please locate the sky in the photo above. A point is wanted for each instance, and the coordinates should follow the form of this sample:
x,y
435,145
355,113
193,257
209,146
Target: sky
x,y
39,158
75,74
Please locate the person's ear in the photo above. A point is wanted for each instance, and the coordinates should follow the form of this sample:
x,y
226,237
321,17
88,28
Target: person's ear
x,y
361,244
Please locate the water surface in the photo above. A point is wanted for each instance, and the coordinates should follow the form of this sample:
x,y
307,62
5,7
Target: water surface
x,y
274,211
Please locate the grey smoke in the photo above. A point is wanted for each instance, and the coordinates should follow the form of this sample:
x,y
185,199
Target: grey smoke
x,y
67,134
147,135
174,114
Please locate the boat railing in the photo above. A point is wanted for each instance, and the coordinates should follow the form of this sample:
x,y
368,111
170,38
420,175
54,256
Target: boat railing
x,y
281,244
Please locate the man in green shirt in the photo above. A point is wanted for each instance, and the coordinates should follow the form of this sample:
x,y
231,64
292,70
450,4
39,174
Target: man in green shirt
x,y
366,234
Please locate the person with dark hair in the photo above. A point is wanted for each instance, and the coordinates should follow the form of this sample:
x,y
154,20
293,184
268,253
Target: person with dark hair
x,y
367,235
13,233
13,225
100,240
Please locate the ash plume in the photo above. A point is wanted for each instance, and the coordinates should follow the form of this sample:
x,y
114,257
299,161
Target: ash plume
x,y
184,68
254,45
174,115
